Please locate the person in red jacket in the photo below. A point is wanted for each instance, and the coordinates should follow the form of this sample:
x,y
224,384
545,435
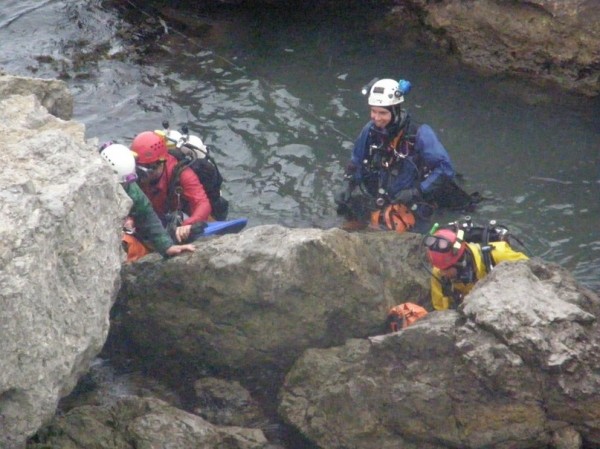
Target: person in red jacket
x,y
185,204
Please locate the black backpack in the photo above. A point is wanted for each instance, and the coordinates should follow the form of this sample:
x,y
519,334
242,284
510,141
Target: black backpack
x,y
192,153
484,235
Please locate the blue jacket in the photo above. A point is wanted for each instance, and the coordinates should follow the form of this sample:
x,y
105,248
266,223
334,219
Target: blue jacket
x,y
425,163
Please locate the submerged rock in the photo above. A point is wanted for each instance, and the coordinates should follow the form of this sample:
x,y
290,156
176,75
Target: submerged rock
x,y
549,40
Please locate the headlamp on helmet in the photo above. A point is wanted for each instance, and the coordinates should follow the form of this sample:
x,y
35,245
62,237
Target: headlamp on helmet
x,y
387,92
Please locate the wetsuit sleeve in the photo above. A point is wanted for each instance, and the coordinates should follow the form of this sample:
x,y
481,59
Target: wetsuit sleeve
x,y
359,153
503,252
147,223
195,196
435,157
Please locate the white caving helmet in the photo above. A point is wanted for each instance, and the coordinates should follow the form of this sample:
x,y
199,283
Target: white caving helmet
x,y
121,160
175,139
197,143
385,93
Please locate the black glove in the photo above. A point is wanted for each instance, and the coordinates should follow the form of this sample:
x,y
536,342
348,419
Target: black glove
x,y
457,299
407,196
197,230
448,291
446,284
343,195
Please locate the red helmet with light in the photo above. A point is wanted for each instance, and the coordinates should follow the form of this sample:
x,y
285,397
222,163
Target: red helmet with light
x,y
445,247
149,147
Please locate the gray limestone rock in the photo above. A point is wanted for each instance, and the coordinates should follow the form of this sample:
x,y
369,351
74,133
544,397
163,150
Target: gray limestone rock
x,y
147,423
256,300
516,366
552,40
59,255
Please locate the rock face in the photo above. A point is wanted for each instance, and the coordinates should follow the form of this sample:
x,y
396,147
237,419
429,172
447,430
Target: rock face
x,y
145,423
52,94
554,40
226,403
255,301
515,367
59,256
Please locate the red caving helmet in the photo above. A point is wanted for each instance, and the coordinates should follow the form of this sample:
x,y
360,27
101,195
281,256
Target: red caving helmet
x,y
149,147
445,248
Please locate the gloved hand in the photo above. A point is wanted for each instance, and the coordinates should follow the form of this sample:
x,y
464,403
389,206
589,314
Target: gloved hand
x,y
407,196
457,299
448,291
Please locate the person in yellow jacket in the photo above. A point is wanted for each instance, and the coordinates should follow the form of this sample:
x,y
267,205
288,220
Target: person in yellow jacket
x,y
458,265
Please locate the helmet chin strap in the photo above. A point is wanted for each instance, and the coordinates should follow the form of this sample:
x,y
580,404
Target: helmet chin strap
x,y
400,119
394,110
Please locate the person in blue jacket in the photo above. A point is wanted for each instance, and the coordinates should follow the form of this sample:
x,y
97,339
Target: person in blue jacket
x,y
395,161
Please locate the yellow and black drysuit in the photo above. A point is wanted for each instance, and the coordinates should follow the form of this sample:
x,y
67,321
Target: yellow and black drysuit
x,y
446,293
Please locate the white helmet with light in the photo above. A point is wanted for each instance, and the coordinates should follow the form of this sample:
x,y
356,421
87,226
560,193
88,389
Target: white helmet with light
x,y
184,142
121,160
386,93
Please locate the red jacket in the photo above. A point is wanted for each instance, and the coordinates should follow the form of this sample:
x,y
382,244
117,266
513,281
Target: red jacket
x,y
195,203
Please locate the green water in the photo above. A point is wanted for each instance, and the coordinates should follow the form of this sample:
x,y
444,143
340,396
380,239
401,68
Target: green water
x,y
277,94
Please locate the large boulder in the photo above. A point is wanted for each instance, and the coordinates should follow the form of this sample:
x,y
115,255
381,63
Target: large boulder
x,y
253,302
517,366
52,94
148,423
554,40
59,254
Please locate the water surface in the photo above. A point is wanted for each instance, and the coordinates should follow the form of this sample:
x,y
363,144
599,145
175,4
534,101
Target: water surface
x,y
276,94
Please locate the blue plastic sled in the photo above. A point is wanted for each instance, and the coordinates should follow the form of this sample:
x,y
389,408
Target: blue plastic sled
x,y
218,227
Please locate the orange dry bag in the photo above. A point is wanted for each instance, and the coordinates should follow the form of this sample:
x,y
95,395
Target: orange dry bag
x,y
395,217
403,315
133,247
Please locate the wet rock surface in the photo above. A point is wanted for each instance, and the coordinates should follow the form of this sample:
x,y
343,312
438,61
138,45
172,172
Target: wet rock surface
x,y
544,40
134,422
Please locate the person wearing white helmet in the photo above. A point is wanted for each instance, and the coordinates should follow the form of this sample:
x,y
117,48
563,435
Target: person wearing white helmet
x,y
143,230
394,161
